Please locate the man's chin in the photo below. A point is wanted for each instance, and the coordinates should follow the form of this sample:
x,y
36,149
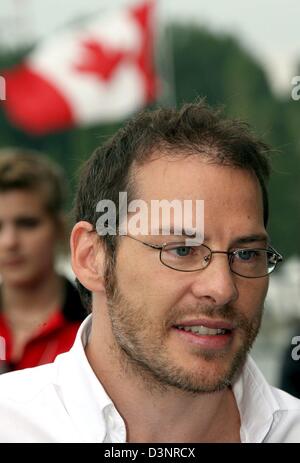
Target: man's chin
x,y
212,372
197,384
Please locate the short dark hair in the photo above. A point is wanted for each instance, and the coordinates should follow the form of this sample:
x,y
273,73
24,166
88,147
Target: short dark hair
x,y
196,128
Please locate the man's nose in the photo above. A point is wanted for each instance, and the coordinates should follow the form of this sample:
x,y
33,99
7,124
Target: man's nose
x,y
216,282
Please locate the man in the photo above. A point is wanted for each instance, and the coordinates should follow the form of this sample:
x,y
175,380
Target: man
x,y
40,311
164,355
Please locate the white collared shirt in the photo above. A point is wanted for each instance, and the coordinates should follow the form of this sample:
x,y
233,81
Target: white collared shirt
x,y
65,402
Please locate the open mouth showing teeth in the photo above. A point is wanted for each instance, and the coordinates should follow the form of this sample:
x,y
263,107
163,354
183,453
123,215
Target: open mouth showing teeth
x,y
203,330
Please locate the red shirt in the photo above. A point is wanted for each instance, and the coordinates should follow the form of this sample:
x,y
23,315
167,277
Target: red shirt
x,y
54,337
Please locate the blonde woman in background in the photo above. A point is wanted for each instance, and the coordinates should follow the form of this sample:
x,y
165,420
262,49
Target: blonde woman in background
x,y
40,310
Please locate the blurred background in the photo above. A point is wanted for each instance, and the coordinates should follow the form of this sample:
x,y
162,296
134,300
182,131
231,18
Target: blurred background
x,y
242,55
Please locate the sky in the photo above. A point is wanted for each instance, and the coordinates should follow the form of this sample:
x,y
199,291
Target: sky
x,y
269,29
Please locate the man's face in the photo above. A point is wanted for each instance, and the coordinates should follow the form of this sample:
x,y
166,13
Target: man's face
x,y
151,302
27,238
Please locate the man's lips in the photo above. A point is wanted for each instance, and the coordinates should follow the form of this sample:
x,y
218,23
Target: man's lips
x,y
212,324
196,332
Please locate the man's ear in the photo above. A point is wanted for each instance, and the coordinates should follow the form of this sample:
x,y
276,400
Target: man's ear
x,y
87,256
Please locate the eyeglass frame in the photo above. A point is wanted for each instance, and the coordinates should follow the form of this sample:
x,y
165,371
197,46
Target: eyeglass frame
x,y
230,254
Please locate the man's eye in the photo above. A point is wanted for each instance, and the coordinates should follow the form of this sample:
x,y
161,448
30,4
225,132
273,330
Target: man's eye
x,y
182,251
247,254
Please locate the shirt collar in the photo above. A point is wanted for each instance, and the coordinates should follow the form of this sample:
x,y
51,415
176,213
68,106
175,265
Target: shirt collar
x,y
95,416
90,408
256,403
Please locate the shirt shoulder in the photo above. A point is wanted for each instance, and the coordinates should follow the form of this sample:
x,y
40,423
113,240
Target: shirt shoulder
x,y
286,425
31,407
23,385
286,401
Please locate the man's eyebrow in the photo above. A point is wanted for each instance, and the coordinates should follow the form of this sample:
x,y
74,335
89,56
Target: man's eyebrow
x,y
263,237
171,231
252,238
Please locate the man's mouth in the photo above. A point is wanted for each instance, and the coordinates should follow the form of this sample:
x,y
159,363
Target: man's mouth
x,y
210,334
203,330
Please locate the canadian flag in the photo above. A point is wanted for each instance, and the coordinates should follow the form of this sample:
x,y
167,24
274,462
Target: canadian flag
x,y
98,72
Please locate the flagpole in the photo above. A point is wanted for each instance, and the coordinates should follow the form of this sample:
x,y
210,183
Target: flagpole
x,y
165,63
171,67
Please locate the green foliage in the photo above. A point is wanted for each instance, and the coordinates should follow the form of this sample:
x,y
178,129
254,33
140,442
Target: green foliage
x,y
217,67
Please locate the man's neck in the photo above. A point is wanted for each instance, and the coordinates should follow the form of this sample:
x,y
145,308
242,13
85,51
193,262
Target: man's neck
x,y
205,418
163,414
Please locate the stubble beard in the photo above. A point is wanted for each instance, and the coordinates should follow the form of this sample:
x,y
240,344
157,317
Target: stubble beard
x,y
143,355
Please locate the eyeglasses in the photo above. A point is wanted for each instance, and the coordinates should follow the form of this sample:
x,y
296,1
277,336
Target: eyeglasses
x,y
245,262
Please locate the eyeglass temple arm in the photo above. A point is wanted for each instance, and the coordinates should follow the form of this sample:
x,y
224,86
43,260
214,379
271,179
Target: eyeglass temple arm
x,y
154,246
279,256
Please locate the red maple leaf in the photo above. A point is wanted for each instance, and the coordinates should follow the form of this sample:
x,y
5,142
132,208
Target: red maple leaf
x,y
100,60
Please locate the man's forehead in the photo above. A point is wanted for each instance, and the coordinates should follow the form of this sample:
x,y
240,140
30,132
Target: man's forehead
x,y
231,198
190,177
